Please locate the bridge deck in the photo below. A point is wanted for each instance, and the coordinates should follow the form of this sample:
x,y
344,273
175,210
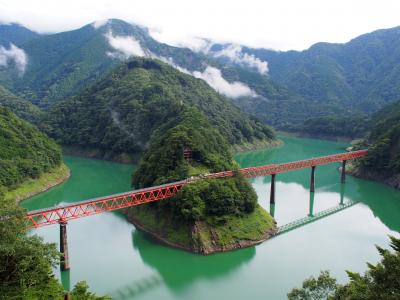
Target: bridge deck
x,y
55,215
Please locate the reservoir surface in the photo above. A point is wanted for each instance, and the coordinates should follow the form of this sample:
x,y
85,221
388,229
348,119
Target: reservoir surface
x,y
116,259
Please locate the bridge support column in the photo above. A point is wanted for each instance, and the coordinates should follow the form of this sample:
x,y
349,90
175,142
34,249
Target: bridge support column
x,y
312,183
64,263
343,177
272,209
341,194
272,194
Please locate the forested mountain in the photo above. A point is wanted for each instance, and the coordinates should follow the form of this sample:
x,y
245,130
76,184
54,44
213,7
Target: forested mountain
x,y
60,65
24,151
15,34
280,88
362,75
119,113
22,108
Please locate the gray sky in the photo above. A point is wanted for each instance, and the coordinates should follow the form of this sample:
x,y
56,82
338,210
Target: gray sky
x,y
279,24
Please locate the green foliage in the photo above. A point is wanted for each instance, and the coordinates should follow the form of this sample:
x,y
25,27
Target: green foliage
x,y
22,108
81,292
351,126
215,198
380,281
384,153
24,151
25,261
315,288
163,162
122,111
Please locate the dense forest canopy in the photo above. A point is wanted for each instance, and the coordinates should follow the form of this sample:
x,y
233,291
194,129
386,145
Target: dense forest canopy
x,y
360,76
121,112
164,162
22,108
24,151
384,153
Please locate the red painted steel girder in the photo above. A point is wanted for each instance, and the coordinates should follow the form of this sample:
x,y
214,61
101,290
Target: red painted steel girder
x,y
90,207
307,163
55,215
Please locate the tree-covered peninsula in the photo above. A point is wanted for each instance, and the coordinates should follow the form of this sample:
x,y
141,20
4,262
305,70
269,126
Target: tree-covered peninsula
x,y
115,118
208,215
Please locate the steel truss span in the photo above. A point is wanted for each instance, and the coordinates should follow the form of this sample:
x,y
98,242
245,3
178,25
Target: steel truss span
x,y
60,214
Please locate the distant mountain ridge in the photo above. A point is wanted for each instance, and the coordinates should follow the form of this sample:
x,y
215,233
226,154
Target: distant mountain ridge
x,y
280,88
362,75
117,116
60,65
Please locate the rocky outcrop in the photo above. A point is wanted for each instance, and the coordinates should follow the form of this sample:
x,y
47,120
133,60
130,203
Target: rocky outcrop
x,y
391,180
201,238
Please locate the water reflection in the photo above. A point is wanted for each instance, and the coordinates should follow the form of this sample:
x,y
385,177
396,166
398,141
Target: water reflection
x,y
311,212
180,269
137,288
66,280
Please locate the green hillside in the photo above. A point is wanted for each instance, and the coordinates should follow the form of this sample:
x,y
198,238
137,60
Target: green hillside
x,y
201,216
60,65
360,76
383,141
119,114
22,108
24,152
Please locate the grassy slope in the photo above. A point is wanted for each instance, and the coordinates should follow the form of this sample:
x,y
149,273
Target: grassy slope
x,y
46,181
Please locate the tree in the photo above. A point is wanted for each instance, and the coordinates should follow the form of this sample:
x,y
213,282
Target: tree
x,y
380,281
315,289
25,261
81,292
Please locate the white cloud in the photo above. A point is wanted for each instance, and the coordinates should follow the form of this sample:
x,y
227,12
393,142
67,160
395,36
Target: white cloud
x,y
235,54
214,78
15,54
99,23
194,43
126,46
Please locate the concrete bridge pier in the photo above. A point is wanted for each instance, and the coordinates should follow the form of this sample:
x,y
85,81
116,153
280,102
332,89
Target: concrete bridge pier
x,y
64,263
343,177
272,194
312,183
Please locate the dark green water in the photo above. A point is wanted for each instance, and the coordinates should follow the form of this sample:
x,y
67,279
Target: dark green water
x,y
116,259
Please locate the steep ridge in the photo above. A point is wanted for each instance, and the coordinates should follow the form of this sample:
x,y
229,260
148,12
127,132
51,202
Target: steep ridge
x,y
22,108
60,65
117,116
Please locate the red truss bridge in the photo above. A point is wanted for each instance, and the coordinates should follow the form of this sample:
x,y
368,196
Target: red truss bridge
x,y
62,214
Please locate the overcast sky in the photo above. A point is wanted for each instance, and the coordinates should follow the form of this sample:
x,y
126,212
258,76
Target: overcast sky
x,y
279,24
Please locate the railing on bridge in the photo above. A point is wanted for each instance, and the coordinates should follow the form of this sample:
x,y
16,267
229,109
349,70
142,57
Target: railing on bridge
x,y
90,207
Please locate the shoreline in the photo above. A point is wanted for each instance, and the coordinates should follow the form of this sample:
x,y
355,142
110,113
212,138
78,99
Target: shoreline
x,y
46,181
200,250
126,158
340,139
392,181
